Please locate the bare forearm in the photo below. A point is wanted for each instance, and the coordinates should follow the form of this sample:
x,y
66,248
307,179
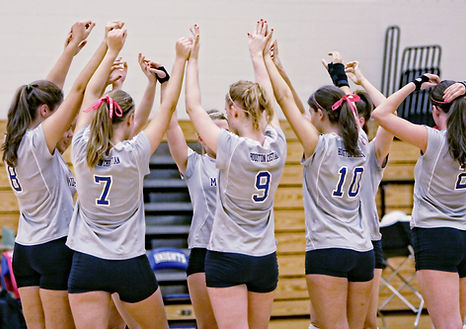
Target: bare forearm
x,y
143,110
285,77
86,74
193,93
59,71
98,81
375,95
389,106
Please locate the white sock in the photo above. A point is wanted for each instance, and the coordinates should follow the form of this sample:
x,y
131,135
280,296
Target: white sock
x,y
311,326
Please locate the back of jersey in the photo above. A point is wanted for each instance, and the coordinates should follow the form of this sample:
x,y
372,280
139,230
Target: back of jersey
x,y
42,183
249,174
440,186
332,185
108,221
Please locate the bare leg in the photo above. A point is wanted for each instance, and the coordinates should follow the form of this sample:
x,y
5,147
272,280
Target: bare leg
x,y
259,309
32,307
230,306
118,316
205,317
328,296
148,313
463,299
441,293
57,309
358,302
90,309
371,318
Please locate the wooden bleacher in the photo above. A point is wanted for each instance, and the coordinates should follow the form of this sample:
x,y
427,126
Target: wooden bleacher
x,y
291,305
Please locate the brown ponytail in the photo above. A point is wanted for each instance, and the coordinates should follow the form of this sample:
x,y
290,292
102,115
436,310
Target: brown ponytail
x,y
23,111
365,107
456,122
251,97
323,99
101,129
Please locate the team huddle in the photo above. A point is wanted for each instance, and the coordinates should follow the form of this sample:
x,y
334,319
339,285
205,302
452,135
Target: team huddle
x,y
84,265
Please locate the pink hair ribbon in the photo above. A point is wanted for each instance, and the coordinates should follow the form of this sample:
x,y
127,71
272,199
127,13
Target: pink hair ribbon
x,y
112,105
438,102
350,98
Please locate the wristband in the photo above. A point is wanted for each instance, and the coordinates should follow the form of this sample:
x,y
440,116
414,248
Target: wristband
x,y
167,76
338,75
420,80
463,83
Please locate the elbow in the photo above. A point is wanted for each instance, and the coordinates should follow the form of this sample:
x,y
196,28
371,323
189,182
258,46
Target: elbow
x,y
283,97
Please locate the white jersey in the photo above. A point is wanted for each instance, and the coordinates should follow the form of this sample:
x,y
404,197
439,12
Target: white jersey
x,y
369,187
201,177
440,186
108,220
331,197
249,174
44,187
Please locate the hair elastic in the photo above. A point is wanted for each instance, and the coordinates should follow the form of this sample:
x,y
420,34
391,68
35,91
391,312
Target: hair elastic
x,y
315,101
112,104
438,102
350,98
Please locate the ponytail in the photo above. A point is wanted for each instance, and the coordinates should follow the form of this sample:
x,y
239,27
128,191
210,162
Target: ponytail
x,y
456,122
101,129
365,107
324,98
456,128
23,111
251,98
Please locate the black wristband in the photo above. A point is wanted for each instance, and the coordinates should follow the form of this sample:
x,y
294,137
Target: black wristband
x,y
420,80
463,83
167,76
338,74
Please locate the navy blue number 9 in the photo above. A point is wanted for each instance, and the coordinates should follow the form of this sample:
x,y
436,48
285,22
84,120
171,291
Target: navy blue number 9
x,y
262,184
103,201
14,179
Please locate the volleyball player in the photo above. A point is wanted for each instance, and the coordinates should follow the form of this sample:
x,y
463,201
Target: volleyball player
x,y
43,184
377,159
111,156
439,214
241,265
339,253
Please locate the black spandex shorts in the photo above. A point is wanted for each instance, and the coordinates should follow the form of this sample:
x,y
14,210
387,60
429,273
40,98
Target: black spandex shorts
x,y
357,266
196,263
441,249
133,279
378,254
46,265
226,269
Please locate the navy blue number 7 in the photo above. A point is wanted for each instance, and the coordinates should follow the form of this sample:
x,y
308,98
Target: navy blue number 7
x,y
103,201
262,184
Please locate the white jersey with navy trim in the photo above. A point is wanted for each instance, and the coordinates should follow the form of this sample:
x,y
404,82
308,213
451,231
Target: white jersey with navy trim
x,y
369,187
440,186
201,177
43,185
249,174
332,184
108,221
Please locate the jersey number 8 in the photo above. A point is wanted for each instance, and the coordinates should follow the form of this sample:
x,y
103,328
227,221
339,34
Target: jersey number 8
x,y
14,179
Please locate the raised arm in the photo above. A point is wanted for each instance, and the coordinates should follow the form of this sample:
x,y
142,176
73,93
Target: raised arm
x,y
115,39
204,125
177,144
59,122
383,138
281,69
118,74
159,123
143,110
75,41
385,116
303,128
336,69
257,42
